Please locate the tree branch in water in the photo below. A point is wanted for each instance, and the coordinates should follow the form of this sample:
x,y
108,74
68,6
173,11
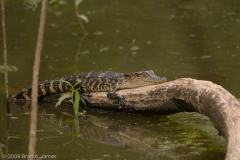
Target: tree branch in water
x,y
182,95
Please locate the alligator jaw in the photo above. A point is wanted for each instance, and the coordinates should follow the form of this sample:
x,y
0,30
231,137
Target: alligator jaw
x,y
139,79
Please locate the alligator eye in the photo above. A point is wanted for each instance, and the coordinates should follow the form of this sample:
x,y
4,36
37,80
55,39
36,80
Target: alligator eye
x,y
146,74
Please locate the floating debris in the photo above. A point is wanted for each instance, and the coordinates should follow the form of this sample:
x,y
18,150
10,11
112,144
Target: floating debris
x,y
74,33
172,16
60,132
134,48
192,35
31,4
85,52
176,53
98,33
104,49
9,68
207,56
149,42
120,47
13,118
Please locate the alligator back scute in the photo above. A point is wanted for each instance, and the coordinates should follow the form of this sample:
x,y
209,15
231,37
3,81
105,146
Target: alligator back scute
x,y
100,81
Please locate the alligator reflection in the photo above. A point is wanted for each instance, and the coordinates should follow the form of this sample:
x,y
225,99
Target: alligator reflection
x,y
150,136
102,127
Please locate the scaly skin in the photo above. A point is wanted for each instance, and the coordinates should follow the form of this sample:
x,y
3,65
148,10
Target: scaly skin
x,y
96,81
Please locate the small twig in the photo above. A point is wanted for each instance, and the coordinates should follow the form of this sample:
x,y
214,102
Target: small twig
x,y
7,137
80,21
5,54
34,95
1,152
78,53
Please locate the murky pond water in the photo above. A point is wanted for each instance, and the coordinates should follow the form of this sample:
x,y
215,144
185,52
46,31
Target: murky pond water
x,y
195,39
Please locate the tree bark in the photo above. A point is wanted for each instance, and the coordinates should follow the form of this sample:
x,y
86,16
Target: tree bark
x,y
181,95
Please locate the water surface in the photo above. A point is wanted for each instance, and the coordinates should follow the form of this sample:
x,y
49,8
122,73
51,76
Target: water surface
x,y
195,39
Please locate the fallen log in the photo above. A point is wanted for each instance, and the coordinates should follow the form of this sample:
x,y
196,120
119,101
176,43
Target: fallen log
x,y
183,95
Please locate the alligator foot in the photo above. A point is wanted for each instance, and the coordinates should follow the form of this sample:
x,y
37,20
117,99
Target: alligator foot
x,y
121,101
84,98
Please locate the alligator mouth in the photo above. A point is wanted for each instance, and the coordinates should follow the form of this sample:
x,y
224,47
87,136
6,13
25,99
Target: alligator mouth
x,y
163,79
158,80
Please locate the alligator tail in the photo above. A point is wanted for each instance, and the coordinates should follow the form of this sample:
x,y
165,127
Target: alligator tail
x,y
45,88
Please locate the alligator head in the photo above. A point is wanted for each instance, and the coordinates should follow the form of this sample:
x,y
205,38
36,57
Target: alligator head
x,y
139,79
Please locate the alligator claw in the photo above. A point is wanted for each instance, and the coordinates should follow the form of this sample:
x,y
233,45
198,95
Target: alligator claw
x,y
121,101
84,98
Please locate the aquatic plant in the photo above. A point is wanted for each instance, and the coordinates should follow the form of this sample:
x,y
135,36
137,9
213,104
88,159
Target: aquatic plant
x,y
75,97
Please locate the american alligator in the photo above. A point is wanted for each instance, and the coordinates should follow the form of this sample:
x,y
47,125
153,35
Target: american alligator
x,y
95,81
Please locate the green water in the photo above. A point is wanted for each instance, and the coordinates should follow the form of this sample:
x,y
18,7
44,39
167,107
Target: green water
x,y
195,39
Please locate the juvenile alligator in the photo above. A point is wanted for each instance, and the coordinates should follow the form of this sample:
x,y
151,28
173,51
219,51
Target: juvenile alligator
x,y
96,81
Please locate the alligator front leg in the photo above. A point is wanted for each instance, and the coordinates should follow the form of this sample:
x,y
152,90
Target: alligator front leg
x,y
84,98
113,95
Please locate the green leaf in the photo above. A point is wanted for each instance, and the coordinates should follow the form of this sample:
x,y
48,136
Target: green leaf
x,y
76,101
77,2
133,41
61,99
62,2
52,1
83,17
77,126
67,83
